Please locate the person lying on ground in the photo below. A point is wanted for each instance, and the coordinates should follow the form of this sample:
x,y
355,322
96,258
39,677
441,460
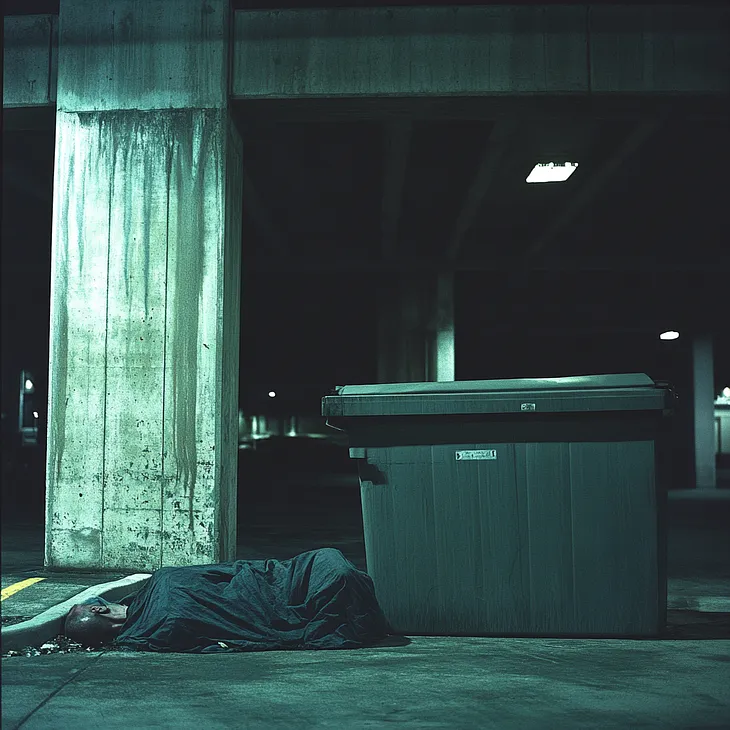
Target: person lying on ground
x,y
316,600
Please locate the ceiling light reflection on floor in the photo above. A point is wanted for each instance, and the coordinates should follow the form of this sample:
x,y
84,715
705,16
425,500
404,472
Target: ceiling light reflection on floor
x,y
551,172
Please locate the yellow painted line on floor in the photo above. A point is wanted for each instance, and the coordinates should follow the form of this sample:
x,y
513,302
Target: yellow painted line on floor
x,y
13,589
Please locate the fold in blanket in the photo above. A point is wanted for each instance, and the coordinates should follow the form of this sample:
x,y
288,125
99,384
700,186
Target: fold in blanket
x,y
316,600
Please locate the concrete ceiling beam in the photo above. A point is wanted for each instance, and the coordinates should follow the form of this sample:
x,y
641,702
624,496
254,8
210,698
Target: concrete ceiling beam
x,y
530,50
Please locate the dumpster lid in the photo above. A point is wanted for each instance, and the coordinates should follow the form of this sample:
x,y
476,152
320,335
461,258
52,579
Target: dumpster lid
x,y
577,382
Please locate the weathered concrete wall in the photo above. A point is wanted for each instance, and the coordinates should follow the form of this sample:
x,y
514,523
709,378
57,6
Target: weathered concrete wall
x,y
144,353
463,51
30,60
145,293
143,54
406,51
659,49
489,50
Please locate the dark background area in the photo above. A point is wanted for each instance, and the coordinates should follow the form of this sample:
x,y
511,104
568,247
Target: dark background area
x,y
305,332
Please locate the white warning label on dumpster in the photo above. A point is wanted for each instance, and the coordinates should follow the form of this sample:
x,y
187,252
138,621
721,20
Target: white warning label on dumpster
x,y
476,454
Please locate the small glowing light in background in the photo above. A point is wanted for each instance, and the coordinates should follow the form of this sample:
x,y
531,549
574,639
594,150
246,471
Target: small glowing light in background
x,y
551,172
35,414
671,335
726,392
272,394
29,384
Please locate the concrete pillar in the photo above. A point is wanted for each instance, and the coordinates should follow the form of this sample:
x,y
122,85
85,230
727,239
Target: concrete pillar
x,y
145,288
443,361
703,378
416,328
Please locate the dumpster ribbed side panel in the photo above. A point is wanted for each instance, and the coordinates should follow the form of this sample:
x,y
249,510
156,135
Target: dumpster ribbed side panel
x,y
552,538
593,537
446,557
400,536
481,538
544,472
615,538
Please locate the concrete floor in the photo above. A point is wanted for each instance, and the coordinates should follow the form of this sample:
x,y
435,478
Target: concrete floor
x,y
679,681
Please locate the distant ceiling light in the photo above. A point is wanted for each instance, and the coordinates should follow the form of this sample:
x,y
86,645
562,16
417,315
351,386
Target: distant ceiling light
x,y
29,384
671,335
35,414
551,172
726,392
272,394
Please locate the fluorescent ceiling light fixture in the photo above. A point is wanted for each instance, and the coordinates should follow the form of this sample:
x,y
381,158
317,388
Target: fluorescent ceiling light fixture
x,y
551,172
272,394
671,335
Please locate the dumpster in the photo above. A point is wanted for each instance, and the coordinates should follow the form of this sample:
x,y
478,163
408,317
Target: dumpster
x,y
526,507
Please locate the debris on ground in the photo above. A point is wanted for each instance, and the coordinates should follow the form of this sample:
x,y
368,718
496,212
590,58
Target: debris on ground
x,y
60,645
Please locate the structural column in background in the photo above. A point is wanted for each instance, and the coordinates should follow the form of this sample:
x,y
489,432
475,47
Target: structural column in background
x,y
416,328
703,378
145,289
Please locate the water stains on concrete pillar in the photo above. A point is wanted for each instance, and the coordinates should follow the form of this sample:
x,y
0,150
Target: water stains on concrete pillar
x,y
145,293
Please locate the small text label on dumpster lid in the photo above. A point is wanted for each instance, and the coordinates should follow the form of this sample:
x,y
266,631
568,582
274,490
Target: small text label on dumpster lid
x,y
476,454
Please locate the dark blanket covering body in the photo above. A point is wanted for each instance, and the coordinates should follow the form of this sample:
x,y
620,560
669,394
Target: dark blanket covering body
x,y
316,600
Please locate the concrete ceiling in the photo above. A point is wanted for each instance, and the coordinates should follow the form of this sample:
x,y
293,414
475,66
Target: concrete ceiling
x,y
451,193
635,240
368,194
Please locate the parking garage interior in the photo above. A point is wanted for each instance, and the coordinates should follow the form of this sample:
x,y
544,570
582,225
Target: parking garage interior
x,y
345,199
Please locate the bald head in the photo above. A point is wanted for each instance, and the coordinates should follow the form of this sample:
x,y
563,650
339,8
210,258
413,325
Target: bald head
x,y
94,625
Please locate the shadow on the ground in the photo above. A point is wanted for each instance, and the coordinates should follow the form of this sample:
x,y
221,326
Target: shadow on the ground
x,y
684,624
